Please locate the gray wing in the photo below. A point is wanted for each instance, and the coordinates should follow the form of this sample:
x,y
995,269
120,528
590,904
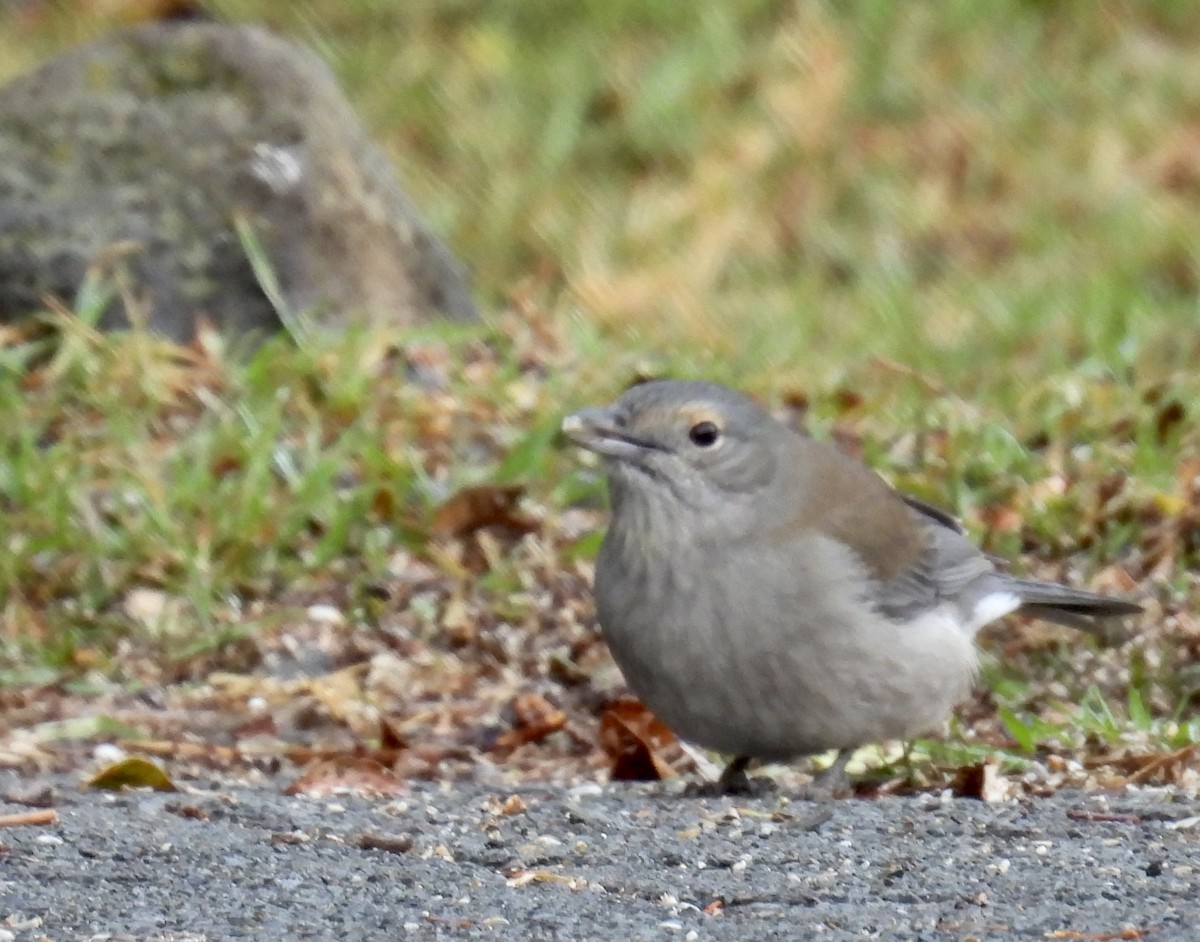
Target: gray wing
x,y
916,556
950,569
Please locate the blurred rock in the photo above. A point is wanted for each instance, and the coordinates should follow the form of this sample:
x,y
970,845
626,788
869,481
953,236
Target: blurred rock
x,y
142,149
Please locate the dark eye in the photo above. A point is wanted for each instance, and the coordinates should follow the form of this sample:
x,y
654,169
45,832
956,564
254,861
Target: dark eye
x,y
704,434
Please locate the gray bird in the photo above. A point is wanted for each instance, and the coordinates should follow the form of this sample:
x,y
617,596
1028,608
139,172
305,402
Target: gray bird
x,y
768,596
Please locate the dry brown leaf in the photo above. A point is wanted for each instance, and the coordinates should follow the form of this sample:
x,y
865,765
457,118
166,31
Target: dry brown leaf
x,y
534,718
485,505
634,740
1146,767
390,739
982,781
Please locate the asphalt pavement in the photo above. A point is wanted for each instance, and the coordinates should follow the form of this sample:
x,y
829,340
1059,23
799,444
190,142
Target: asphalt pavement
x,y
620,862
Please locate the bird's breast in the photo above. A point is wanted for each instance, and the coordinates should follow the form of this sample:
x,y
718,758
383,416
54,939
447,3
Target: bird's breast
x,y
670,615
771,651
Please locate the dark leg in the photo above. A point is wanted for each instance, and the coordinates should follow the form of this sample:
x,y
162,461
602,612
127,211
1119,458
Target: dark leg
x,y
832,781
734,780
825,786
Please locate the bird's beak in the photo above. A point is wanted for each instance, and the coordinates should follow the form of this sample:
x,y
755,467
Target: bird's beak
x,y
596,429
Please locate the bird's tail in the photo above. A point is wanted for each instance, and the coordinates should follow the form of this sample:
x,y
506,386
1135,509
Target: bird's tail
x,y
1072,607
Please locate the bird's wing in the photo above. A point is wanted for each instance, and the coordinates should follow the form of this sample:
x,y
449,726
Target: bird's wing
x,y
915,555
936,514
950,569
954,570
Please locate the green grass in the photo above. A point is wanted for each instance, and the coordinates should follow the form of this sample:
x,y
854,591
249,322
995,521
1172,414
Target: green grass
x,y
964,233
798,186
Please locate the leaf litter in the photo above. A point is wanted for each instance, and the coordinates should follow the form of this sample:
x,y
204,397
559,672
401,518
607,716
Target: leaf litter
x,y
470,648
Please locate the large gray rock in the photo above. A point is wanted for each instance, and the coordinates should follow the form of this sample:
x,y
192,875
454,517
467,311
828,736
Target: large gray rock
x,y
146,146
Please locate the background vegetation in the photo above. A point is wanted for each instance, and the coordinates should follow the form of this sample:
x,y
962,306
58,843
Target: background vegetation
x,y
962,237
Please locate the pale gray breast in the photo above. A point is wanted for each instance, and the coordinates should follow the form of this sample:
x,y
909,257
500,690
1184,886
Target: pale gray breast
x,y
774,651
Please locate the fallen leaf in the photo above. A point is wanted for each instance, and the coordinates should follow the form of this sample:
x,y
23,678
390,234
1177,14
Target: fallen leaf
x,y
634,740
390,739
533,719
485,505
982,781
133,772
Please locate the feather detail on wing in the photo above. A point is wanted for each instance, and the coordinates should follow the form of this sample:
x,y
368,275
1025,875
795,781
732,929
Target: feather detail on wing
x,y
916,556
951,569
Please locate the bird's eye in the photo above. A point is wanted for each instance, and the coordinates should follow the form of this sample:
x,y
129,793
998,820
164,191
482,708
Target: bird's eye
x,y
704,434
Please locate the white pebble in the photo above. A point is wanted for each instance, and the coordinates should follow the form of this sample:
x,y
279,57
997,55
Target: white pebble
x,y
108,753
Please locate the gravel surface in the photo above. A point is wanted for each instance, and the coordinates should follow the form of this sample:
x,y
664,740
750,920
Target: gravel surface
x,y
615,862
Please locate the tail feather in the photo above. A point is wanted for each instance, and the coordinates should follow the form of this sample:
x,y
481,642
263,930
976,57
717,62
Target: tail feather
x,y
1066,606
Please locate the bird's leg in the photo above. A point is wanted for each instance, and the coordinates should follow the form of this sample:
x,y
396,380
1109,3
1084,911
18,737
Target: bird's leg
x,y
826,784
832,781
734,780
